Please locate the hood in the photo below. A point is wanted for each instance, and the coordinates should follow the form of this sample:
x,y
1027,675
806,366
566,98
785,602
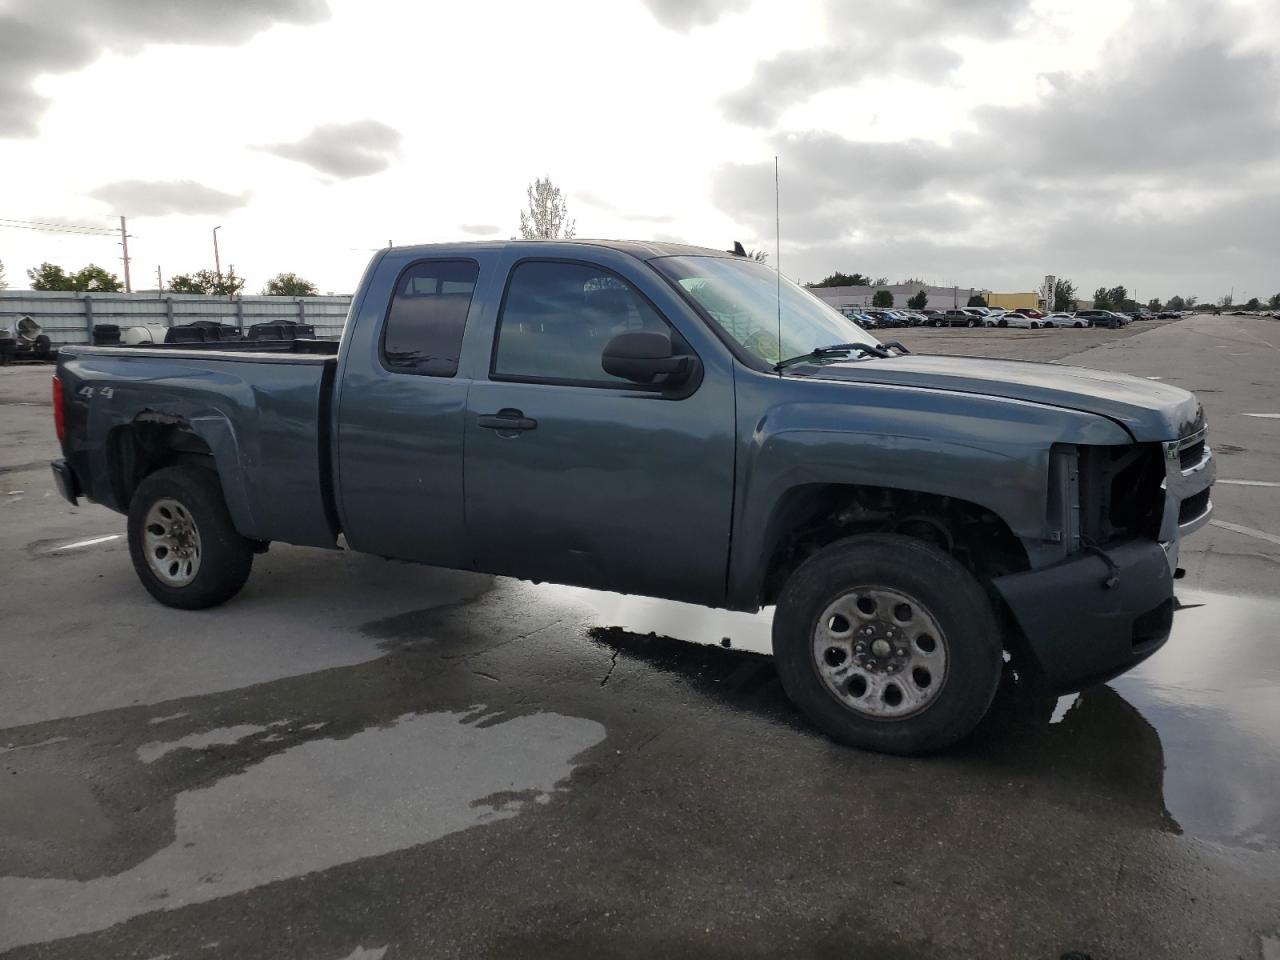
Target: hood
x,y
1149,410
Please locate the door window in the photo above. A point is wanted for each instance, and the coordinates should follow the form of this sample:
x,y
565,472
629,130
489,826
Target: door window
x,y
557,318
428,313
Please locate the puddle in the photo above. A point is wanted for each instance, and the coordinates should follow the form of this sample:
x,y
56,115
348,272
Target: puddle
x,y
1211,698
1213,695
318,805
223,736
679,621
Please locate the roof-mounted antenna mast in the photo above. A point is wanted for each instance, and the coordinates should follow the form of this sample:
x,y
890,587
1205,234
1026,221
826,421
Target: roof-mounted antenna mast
x,y
777,250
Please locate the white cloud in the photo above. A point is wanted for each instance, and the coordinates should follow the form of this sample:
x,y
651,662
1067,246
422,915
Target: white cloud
x,y
344,150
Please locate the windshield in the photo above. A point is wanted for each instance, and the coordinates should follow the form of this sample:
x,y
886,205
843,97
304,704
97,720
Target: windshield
x,y
741,296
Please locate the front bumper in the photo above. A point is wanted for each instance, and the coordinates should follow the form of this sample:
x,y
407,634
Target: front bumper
x,y
1081,631
67,481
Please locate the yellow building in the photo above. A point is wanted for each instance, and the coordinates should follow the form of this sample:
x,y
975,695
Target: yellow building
x,y
1014,301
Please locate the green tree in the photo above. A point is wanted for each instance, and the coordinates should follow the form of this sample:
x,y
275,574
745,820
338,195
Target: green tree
x,y
758,255
977,300
1102,299
879,282
1117,297
882,298
1191,302
49,276
1253,304
1154,305
1064,295
290,285
548,215
839,279
207,282
1225,300
1176,303
90,279
4,284
919,301
1273,301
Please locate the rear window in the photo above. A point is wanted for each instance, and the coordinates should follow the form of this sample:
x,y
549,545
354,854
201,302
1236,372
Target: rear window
x,y
427,316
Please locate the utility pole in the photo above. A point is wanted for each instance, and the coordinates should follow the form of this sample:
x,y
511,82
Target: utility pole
x,y
159,281
124,243
217,261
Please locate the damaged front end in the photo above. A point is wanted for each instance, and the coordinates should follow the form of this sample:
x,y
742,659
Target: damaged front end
x,y
1117,516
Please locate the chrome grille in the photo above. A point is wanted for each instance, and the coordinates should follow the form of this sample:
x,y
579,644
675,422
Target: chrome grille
x,y
1191,455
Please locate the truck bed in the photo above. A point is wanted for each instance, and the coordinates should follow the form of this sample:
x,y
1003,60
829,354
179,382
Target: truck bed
x,y
263,413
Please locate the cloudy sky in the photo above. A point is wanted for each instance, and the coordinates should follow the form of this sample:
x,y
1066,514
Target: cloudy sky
x,y
978,142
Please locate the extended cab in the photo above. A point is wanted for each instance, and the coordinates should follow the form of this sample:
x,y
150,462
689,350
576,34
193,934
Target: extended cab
x,y
671,421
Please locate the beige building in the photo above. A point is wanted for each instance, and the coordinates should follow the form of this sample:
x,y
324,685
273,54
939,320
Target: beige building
x,y
1015,301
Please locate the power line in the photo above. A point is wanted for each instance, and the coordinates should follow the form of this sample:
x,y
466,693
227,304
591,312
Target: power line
x,y
47,227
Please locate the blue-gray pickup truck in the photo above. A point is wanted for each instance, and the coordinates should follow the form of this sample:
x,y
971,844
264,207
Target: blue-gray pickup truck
x,y
677,422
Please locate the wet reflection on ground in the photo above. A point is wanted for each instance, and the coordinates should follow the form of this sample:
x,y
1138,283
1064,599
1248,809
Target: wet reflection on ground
x,y
1192,736
1213,693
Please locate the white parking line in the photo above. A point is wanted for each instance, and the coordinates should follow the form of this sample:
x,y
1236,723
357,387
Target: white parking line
x,y
88,543
1263,416
1250,483
1247,531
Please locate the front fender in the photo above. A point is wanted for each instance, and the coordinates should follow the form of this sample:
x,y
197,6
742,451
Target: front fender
x,y
989,451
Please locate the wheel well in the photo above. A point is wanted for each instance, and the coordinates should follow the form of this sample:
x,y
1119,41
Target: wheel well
x,y
812,516
151,442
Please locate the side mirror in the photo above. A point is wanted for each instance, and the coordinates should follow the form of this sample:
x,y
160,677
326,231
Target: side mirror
x,y
646,357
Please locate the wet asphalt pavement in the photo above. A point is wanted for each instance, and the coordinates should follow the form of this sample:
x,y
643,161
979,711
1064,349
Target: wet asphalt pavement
x,y
364,759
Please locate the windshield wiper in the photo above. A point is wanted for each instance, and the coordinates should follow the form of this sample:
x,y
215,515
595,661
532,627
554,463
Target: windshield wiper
x,y
879,351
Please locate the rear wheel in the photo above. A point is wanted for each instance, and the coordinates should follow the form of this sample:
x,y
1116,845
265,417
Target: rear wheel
x,y
1004,323
184,547
887,643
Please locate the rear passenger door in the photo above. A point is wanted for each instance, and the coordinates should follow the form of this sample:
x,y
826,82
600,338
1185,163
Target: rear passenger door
x,y
401,416
576,476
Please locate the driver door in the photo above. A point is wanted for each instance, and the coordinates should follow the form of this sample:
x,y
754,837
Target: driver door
x,y
575,476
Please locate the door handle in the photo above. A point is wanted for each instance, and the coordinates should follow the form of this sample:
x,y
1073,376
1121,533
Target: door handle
x,y
507,419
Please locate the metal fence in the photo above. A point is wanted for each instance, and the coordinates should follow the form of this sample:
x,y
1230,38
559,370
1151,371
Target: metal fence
x,y
70,317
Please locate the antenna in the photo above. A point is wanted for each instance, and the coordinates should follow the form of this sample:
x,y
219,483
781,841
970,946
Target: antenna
x,y
777,249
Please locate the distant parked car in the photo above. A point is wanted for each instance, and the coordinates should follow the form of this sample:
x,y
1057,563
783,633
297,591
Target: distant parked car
x,y
957,318
1017,320
1169,315
1101,318
1031,312
1066,320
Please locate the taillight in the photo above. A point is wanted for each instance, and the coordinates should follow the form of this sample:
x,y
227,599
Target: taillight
x,y
59,414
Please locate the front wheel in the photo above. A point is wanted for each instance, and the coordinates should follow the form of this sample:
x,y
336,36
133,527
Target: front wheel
x,y
887,643
184,547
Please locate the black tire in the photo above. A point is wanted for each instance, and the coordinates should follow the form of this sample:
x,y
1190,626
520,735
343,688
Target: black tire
x,y
1003,322
937,323
225,557
944,591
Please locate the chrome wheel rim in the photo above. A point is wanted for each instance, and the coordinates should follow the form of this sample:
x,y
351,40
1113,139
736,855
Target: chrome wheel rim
x,y
880,653
171,541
